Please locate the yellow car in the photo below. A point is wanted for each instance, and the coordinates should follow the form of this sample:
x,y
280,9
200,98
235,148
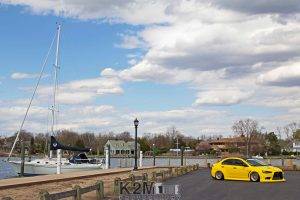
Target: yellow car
x,y
246,169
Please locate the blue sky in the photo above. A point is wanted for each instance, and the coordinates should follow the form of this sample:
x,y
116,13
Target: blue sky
x,y
199,66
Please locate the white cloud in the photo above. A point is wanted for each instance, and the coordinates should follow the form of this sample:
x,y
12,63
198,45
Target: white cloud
x,y
19,75
129,11
282,76
224,96
260,6
82,91
144,71
104,118
228,51
131,42
277,97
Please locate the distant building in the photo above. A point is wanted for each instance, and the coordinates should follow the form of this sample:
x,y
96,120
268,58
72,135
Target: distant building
x,y
296,146
120,147
186,149
225,144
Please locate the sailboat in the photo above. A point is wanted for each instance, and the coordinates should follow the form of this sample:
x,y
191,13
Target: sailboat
x,y
50,165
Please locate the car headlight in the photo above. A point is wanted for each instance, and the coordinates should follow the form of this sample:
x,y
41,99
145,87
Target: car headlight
x,y
266,172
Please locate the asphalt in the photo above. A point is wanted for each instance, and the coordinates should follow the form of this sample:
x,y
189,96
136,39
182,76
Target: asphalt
x,y
199,185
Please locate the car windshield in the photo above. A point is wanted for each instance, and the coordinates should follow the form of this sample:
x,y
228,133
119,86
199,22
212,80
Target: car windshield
x,y
255,162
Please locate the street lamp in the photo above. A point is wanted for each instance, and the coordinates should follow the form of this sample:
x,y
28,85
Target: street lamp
x,y
136,123
153,149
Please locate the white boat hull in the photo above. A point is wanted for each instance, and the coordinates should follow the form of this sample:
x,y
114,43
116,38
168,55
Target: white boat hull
x,y
39,169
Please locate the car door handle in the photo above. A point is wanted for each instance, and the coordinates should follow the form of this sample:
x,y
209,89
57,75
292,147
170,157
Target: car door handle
x,y
234,167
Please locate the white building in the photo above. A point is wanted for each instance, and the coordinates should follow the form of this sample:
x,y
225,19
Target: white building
x,y
120,147
296,146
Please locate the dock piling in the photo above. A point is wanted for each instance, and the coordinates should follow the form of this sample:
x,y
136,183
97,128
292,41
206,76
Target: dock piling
x,y
141,158
59,155
182,150
22,158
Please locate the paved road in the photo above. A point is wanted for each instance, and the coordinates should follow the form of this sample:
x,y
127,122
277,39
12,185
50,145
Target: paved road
x,y
200,186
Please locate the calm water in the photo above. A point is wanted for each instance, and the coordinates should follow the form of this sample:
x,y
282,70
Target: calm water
x,y
7,172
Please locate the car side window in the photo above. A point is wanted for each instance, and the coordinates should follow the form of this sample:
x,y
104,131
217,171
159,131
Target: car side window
x,y
239,163
228,162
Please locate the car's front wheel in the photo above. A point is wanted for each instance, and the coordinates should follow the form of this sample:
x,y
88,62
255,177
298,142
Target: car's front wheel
x,y
254,177
219,175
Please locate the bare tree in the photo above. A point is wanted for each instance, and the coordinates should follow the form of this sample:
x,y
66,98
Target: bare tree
x,y
124,136
246,129
290,129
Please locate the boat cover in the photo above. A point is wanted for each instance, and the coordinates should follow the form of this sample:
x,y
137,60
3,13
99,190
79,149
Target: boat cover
x,y
56,145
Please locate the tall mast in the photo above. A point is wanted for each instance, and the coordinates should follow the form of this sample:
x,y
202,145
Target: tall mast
x,y
54,108
31,98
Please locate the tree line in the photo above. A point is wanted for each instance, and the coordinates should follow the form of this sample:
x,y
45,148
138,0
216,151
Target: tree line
x,y
249,130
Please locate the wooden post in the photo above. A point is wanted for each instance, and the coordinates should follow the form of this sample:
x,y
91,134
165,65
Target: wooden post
x,y
22,158
179,172
282,162
170,172
145,177
184,170
44,195
154,176
100,190
169,161
132,179
176,171
163,175
117,186
78,192
182,150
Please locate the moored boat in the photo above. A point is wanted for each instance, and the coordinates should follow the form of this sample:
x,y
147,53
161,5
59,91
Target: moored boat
x,y
50,165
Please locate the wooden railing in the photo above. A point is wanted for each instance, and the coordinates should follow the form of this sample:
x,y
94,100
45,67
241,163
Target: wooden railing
x,y
75,193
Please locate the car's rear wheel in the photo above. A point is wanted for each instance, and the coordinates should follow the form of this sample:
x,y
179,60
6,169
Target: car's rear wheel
x,y
254,177
219,175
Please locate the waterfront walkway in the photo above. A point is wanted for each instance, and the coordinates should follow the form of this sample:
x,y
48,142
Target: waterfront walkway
x,y
29,187
200,185
28,181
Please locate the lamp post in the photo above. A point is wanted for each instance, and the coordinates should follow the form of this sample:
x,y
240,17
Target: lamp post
x,y
136,123
153,149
